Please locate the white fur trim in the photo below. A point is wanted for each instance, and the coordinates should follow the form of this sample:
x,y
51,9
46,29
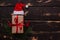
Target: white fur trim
x,y
18,12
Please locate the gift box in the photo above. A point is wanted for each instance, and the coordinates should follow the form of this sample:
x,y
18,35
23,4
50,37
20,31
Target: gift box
x,y
17,20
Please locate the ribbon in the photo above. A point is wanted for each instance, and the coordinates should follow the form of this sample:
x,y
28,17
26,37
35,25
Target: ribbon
x,y
18,25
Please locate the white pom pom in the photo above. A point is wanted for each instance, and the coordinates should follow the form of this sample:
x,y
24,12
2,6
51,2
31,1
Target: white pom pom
x,y
26,6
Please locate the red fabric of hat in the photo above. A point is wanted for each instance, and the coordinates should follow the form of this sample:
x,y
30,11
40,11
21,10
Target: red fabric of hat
x,y
19,7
